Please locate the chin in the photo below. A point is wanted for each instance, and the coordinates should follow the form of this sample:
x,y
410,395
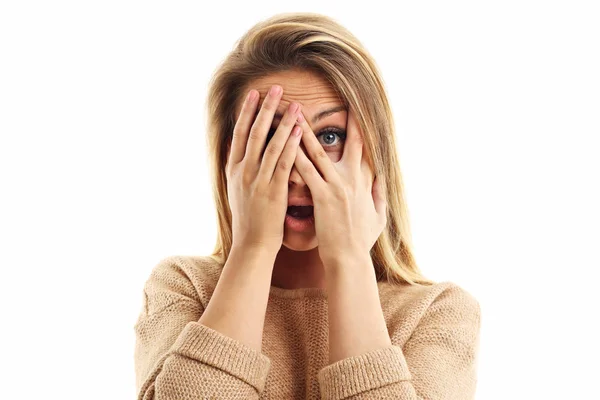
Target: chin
x,y
298,242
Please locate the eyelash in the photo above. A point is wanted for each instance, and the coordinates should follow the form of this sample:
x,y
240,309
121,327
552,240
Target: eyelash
x,y
340,133
336,131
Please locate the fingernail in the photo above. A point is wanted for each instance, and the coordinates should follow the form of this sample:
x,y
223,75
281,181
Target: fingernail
x,y
300,117
275,90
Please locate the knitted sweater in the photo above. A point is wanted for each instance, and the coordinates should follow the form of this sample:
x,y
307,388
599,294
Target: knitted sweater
x,y
434,331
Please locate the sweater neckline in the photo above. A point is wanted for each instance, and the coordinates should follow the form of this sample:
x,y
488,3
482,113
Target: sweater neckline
x,y
298,293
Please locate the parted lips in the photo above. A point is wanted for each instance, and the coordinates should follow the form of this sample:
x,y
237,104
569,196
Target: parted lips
x,y
300,211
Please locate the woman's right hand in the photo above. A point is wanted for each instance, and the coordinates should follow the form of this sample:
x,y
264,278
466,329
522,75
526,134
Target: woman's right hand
x,y
257,184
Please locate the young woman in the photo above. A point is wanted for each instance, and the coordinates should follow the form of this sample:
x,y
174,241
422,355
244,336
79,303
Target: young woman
x,y
312,290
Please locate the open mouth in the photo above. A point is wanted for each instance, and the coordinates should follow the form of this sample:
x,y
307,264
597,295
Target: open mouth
x,y
300,212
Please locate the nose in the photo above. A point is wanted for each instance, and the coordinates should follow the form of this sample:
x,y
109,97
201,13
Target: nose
x,y
296,178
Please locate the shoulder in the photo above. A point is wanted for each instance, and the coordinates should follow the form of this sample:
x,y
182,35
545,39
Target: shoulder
x,y
183,277
407,307
422,297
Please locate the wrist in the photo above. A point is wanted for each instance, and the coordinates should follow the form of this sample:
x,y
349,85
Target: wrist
x,y
346,261
255,251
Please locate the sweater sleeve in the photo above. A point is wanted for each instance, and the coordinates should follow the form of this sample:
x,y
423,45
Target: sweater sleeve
x,y
439,361
176,357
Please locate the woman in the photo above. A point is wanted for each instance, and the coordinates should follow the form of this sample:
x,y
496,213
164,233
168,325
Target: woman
x,y
312,290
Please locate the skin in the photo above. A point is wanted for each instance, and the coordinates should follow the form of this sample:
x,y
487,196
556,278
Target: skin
x,y
350,214
298,264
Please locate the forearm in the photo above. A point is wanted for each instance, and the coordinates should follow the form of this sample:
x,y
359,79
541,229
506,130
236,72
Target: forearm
x,y
356,322
238,305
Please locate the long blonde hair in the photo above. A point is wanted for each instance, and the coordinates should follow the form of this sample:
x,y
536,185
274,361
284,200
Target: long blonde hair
x,y
316,43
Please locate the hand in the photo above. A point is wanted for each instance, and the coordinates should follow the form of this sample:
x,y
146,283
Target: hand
x,y
349,205
258,190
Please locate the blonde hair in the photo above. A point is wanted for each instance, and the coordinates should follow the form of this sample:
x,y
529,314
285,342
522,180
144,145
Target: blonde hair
x,y
315,43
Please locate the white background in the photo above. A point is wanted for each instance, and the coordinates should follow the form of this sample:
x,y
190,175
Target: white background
x,y
103,173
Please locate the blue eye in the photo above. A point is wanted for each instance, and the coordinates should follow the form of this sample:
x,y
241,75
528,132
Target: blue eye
x,y
328,135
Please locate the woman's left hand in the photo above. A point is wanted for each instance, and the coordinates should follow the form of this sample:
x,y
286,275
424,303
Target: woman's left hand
x,y
349,205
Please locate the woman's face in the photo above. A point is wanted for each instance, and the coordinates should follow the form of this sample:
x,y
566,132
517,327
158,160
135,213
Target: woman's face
x,y
315,95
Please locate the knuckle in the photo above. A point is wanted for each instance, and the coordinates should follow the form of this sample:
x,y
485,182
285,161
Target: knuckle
x,y
259,186
247,178
320,154
338,193
273,150
283,164
254,134
306,170
238,134
288,125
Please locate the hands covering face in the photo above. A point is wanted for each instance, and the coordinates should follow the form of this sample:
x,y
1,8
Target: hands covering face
x,y
350,207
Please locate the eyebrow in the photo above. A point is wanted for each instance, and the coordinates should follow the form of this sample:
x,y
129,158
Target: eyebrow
x,y
317,117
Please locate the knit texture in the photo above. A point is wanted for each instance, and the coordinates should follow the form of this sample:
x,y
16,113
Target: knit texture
x,y
434,331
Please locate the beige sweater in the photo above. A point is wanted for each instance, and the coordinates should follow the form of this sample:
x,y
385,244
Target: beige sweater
x,y
434,332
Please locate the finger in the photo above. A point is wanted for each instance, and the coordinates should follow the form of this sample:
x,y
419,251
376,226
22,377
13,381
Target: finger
x,y
308,172
286,161
317,153
275,147
259,130
353,147
379,196
367,172
242,127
